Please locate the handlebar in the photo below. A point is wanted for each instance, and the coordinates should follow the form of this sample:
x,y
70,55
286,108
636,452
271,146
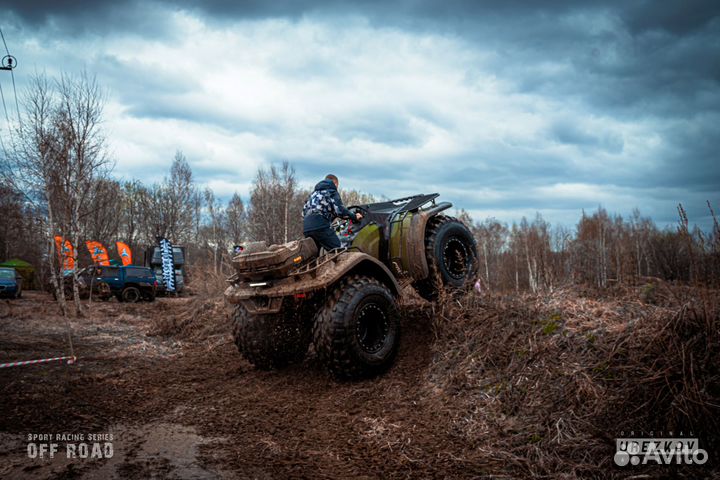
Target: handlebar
x,y
355,209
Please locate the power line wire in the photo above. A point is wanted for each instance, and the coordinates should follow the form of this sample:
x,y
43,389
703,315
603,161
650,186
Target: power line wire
x,y
12,75
17,104
4,42
2,95
2,98
7,117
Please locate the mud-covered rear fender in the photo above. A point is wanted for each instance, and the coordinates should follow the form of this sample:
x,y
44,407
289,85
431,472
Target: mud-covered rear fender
x,y
417,263
371,267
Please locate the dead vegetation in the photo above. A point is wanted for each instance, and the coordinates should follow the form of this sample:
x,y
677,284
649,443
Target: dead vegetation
x,y
513,386
542,385
201,315
200,318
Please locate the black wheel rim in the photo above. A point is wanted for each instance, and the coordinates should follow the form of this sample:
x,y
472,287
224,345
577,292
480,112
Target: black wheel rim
x,y
455,257
132,296
372,327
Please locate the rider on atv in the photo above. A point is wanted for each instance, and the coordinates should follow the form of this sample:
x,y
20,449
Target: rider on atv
x,y
321,208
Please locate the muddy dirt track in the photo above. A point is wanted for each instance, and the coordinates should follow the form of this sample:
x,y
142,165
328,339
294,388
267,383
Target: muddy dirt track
x,y
196,409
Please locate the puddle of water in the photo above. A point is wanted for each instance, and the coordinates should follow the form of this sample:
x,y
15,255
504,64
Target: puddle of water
x,y
156,450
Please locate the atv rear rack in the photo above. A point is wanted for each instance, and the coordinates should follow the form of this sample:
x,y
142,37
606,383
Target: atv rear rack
x,y
316,263
308,268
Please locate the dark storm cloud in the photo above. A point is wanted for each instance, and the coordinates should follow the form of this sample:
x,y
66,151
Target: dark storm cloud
x,y
640,16
677,17
569,132
656,50
37,12
74,18
495,169
692,159
653,67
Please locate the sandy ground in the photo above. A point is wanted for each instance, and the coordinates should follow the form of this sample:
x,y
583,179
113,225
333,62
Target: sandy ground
x,y
182,409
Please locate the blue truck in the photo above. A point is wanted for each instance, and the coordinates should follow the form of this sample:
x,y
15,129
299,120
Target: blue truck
x,y
10,283
130,283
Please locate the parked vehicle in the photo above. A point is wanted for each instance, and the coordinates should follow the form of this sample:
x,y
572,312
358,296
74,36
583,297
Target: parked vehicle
x,y
128,284
153,259
10,283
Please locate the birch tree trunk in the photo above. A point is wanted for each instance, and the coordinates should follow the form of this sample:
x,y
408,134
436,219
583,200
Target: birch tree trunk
x,y
76,291
57,283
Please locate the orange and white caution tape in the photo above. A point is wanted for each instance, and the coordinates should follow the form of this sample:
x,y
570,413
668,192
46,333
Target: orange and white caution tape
x,y
70,360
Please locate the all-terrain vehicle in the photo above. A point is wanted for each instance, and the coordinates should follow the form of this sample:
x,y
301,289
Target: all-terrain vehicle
x,y
344,300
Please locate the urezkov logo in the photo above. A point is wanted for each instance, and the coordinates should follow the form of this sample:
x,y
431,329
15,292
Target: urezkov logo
x,y
659,451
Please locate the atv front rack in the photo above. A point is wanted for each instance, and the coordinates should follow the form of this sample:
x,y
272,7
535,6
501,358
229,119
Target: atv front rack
x,y
406,204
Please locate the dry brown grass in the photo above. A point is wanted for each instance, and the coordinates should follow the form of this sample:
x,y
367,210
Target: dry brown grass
x,y
203,315
542,385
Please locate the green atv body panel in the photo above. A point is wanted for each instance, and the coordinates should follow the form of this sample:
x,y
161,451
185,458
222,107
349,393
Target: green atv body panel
x,y
398,252
368,241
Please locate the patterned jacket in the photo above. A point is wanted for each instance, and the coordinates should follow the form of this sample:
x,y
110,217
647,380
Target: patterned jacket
x,y
323,205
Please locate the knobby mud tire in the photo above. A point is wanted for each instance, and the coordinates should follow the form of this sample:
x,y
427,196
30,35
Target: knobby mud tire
x,y
356,333
270,341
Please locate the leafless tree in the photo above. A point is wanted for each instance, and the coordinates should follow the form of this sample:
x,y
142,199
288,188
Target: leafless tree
x,y
214,228
236,219
58,156
84,160
275,215
102,218
492,237
171,208
130,212
353,197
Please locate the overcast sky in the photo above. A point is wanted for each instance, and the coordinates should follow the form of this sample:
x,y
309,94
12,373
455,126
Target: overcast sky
x,y
504,107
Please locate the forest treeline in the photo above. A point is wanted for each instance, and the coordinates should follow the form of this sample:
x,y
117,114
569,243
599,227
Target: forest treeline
x,y
57,180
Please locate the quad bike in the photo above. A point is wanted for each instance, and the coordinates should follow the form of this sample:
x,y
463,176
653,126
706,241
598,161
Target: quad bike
x,y
344,300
